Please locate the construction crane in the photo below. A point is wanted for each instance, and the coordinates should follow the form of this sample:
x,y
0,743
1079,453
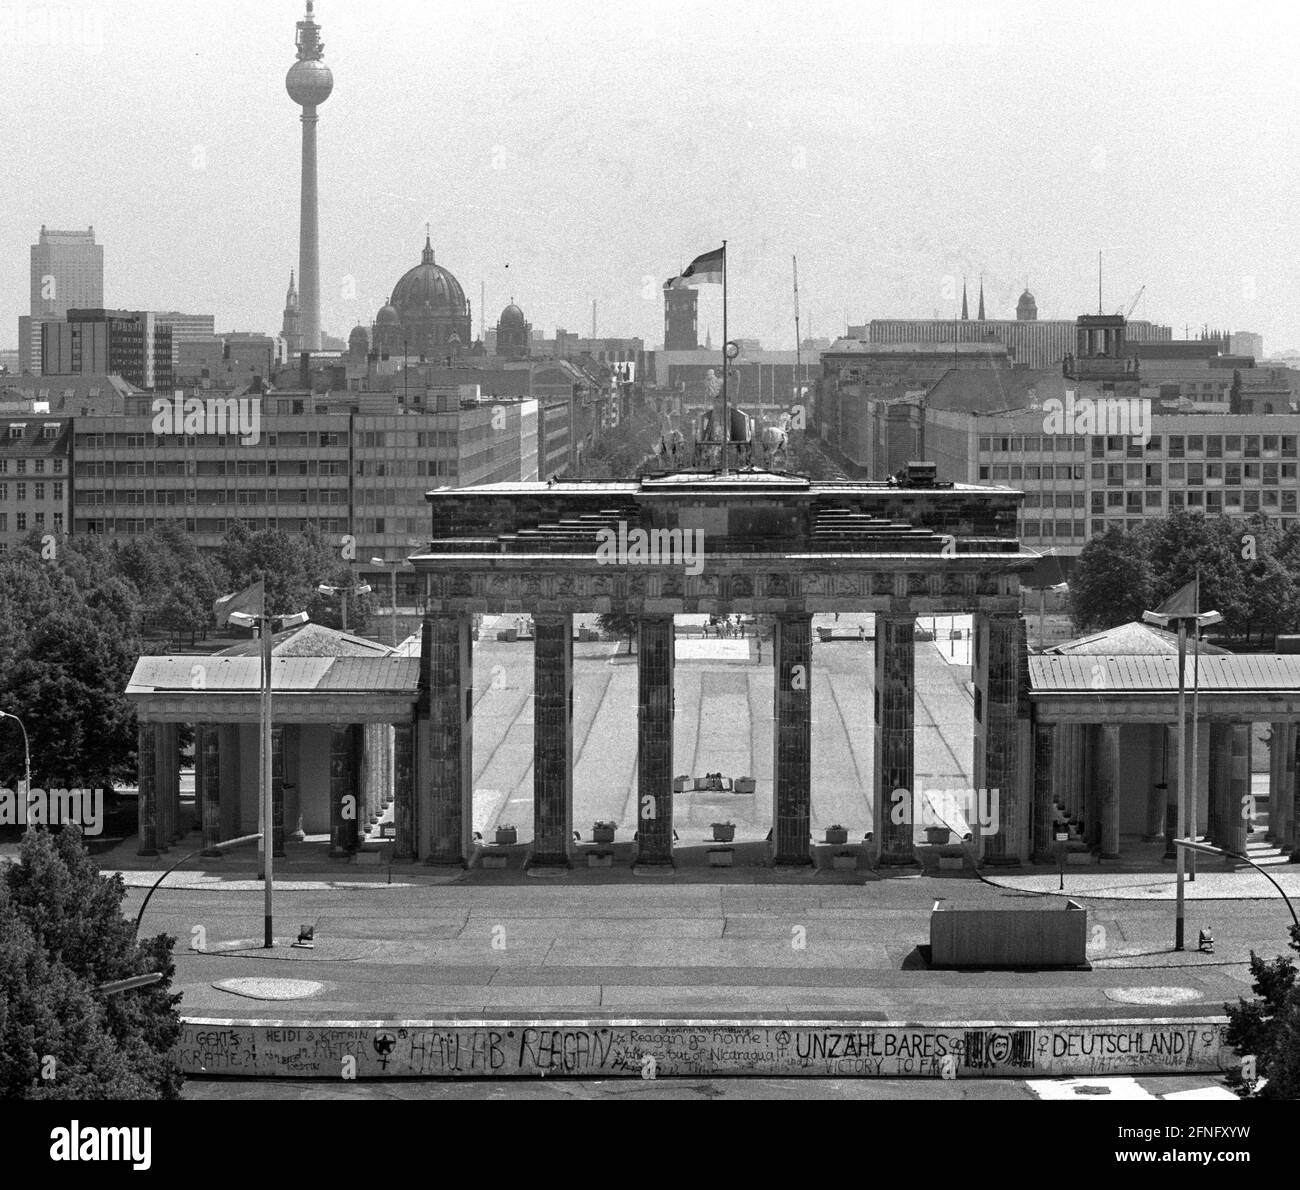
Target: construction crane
x,y
1137,297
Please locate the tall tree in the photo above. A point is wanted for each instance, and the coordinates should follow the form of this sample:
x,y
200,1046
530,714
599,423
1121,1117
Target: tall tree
x,y
1112,582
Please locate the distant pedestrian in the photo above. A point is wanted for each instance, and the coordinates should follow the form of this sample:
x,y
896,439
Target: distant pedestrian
x,y
862,633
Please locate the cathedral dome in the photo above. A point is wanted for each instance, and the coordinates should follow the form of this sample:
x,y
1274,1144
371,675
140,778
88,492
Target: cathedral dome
x,y
512,316
387,316
359,341
1026,307
429,289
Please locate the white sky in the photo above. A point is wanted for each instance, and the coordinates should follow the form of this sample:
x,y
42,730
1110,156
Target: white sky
x,y
569,151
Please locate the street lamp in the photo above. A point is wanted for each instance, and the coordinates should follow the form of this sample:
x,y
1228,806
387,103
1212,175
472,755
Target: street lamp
x,y
265,626
224,846
360,589
1194,845
1184,606
394,565
27,752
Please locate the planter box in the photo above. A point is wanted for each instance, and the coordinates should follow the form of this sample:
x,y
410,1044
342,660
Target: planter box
x,y
837,838
600,859
721,857
951,863
845,863
1009,938
937,834
603,834
745,784
507,835
682,784
723,834
494,861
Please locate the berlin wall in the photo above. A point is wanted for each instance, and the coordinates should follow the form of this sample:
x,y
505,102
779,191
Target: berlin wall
x,y
651,1049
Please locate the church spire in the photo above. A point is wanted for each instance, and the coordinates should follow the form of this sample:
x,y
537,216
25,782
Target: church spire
x,y
981,297
426,257
965,310
291,295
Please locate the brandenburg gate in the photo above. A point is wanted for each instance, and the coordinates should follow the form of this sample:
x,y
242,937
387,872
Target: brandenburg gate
x,y
768,544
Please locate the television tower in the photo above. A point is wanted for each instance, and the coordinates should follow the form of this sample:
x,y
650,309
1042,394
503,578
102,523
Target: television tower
x,y
309,83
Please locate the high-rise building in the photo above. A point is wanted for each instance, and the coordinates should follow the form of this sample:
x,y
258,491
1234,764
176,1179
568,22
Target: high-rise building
x,y
67,273
1247,343
126,343
309,83
681,314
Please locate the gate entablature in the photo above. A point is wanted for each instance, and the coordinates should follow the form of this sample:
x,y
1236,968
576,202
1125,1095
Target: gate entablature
x,y
749,542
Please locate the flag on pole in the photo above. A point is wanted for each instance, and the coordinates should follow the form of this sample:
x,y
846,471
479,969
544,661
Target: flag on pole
x,y
703,270
1182,604
252,600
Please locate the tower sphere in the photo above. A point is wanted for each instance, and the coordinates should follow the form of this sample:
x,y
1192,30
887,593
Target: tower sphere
x,y
309,82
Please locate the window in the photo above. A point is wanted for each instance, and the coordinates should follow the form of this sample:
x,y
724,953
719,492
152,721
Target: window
x,y
1196,442
21,493
40,520
1232,473
1214,502
21,468
1114,499
1270,473
1016,470
1214,446
1175,446
1196,473
16,429
1115,442
1153,499
1153,443
1032,472
39,466
58,522
1195,499
1029,529
1000,473
1252,446
40,491
1032,499
1176,471
20,522
1153,471
1232,444
984,472
1098,502
1033,445
1133,472
1213,472
1132,501
986,444
1175,500
4,491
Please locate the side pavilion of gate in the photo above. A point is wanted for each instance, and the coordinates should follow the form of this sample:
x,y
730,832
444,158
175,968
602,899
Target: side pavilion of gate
x,y
774,545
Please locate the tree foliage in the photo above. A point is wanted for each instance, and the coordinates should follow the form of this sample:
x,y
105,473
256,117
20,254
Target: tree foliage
x,y
619,624
1268,1028
62,935
1248,572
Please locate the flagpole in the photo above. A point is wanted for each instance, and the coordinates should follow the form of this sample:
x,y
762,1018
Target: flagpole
x,y
1180,829
726,417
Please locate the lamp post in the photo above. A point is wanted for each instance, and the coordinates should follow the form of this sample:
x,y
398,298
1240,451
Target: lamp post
x,y
223,846
265,626
1193,846
1176,608
399,562
27,752
359,589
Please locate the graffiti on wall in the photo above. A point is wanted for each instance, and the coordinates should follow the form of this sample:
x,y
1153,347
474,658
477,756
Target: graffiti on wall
x,y
678,1049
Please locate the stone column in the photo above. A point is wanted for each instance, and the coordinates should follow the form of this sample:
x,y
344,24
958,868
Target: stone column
x,y
447,826
166,783
293,789
277,792
344,799
147,801
552,740
1157,784
895,663
1294,813
654,744
1220,780
228,779
1285,801
997,758
1233,809
1045,735
1107,782
1276,738
404,827
207,785
1174,780
792,752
